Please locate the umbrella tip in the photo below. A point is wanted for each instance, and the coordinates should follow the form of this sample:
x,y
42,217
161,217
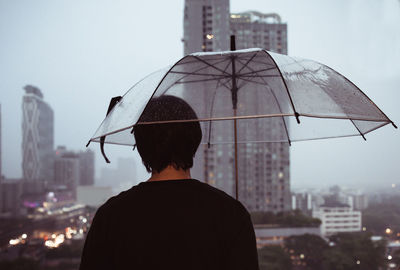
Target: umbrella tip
x,y
88,143
297,117
394,125
363,137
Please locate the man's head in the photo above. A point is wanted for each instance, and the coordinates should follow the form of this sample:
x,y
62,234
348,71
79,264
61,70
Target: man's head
x,y
175,144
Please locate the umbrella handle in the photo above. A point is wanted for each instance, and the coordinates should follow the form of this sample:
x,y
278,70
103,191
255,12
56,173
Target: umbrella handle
x,y
112,104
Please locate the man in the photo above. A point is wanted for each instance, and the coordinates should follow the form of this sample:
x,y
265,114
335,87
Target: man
x,y
170,221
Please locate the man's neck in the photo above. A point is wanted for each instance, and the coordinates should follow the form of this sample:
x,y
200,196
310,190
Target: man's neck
x,y
170,173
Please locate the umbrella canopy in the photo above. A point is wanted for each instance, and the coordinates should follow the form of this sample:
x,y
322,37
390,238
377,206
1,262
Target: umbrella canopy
x,y
272,97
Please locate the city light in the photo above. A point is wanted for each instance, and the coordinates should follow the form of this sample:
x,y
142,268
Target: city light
x,y
56,242
388,231
358,262
14,242
302,256
210,36
390,257
24,236
364,229
393,185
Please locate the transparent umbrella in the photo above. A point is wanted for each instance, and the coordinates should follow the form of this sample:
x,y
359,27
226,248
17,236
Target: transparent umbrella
x,y
250,95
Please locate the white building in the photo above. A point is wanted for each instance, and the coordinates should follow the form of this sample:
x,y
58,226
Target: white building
x,y
337,217
93,196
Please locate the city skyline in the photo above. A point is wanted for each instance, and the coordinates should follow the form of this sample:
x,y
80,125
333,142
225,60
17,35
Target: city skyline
x,y
79,79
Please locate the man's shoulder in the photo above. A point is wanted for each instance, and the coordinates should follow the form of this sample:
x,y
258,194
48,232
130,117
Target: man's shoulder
x,y
210,194
223,198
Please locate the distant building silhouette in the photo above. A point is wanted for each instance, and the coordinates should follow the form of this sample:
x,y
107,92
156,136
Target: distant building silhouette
x,y
86,168
10,197
66,170
37,139
264,173
1,172
121,178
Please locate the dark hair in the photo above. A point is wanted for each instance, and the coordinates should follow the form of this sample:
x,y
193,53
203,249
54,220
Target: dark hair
x,y
165,144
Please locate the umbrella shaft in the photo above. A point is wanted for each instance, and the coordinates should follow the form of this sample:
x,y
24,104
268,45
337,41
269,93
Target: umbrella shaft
x,y
236,158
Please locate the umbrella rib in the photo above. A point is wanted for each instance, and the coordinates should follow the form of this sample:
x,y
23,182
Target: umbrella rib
x,y
177,81
199,69
362,135
198,74
245,65
203,80
212,104
214,67
256,71
393,124
260,76
287,89
266,85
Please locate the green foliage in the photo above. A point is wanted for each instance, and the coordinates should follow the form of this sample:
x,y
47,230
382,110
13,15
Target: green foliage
x,y
335,259
352,247
285,219
274,258
379,216
347,249
311,246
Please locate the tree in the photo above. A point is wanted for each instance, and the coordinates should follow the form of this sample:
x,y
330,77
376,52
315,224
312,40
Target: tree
x,y
336,259
356,251
285,219
274,258
309,248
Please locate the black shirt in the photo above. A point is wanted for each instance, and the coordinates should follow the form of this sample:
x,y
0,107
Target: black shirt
x,y
174,224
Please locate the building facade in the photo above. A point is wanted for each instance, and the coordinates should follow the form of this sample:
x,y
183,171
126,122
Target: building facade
x,y
86,168
258,30
337,218
67,172
303,202
205,26
37,138
264,175
10,197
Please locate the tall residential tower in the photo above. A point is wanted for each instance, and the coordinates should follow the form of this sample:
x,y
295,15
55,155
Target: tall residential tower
x,y
267,171
264,179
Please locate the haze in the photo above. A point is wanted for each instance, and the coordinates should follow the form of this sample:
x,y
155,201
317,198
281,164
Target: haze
x,y
82,53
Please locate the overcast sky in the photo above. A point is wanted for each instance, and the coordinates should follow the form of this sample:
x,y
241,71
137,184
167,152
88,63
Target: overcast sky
x,y
81,53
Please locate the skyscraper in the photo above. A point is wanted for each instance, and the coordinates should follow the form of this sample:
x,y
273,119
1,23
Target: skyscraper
x,y
37,138
267,172
206,26
264,183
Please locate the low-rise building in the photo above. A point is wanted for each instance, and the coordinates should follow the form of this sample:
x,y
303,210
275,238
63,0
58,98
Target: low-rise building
x,y
337,217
